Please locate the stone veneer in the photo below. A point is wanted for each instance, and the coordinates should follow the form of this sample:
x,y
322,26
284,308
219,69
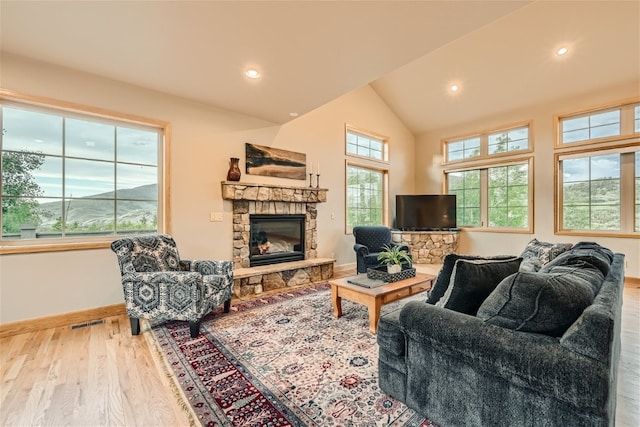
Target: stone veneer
x,y
427,247
251,199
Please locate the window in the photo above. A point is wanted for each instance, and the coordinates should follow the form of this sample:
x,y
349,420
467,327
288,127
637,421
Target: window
x,y
366,144
597,187
465,185
493,197
72,176
464,149
492,187
366,182
510,140
591,192
366,196
612,123
593,126
505,141
508,200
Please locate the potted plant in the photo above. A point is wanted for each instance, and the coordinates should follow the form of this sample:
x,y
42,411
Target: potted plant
x,y
393,257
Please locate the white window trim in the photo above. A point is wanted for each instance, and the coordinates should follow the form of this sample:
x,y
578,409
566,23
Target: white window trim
x,y
164,220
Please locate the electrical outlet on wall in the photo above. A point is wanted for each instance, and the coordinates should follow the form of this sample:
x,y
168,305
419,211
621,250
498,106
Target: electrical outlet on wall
x,y
215,217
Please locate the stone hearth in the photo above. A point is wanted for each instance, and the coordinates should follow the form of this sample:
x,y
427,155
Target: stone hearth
x,y
249,199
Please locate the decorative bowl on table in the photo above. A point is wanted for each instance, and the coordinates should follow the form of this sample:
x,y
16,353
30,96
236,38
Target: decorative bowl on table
x,y
380,273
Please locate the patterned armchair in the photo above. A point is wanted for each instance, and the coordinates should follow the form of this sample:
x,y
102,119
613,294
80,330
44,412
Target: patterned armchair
x,y
158,285
370,241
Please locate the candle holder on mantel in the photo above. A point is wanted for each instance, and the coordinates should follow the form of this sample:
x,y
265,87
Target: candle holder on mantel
x,y
310,185
317,180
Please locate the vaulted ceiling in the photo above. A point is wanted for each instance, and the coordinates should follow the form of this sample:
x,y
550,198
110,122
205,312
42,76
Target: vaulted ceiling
x,y
500,53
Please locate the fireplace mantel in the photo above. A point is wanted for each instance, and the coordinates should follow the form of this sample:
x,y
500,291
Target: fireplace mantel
x,y
232,190
249,199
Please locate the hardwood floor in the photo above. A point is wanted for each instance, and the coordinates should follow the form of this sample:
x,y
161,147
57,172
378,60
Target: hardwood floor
x,y
102,376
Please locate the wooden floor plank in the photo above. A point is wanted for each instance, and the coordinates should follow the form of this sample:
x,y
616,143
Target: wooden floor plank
x,y
103,376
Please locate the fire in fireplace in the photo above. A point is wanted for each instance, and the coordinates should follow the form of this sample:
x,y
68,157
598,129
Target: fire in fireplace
x,y
276,238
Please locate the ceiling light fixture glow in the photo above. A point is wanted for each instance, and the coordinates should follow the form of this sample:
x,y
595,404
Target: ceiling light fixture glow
x,y
252,73
454,88
293,114
562,51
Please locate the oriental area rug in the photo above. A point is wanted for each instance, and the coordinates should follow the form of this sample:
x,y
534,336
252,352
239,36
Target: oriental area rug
x,y
282,360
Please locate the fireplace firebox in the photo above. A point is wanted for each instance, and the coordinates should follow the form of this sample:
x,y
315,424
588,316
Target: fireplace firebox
x,y
276,238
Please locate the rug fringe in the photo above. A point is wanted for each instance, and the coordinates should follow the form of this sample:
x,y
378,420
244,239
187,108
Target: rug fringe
x,y
178,393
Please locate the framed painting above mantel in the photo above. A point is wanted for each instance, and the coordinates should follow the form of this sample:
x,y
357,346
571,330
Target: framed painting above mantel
x,y
269,161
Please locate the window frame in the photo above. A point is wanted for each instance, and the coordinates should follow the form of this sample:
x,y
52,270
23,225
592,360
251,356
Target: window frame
x,y
79,110
370,134
484,192
627,190
484,144
385,190
627,120
628,141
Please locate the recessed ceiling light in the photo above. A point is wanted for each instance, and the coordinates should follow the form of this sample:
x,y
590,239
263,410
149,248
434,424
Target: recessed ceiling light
x,y
252,73
562,51
454,88
293,114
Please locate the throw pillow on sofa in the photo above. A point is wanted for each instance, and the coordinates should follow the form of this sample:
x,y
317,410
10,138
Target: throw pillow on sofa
x,y
543,302
444,276
536,254
473,280
583,253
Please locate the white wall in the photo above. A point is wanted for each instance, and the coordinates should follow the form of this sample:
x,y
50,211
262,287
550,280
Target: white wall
x,y
203,139
429,179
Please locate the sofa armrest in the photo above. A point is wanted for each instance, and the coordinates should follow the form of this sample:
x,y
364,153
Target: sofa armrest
x,y
532,361
361,250
390,336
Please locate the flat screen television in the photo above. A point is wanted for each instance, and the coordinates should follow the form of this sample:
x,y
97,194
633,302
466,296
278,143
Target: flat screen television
x,y
425,212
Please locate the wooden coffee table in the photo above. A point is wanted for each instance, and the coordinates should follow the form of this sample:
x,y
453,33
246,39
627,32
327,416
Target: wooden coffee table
x,y
375,298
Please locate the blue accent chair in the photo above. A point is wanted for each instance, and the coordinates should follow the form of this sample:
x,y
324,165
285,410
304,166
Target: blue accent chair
x,y
159,285
370,241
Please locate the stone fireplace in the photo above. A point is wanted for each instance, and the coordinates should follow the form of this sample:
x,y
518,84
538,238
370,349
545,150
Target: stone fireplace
x,y
265,202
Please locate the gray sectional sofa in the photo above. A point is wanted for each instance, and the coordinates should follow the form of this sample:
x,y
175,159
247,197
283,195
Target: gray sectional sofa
x,y
539,347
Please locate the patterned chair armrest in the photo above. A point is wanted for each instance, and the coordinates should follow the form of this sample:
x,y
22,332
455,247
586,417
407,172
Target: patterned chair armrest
x,y
208,267
361,250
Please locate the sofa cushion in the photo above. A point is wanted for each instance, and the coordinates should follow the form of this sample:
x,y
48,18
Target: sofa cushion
x,y
542,302
473,280
536,254
444,276
583,253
